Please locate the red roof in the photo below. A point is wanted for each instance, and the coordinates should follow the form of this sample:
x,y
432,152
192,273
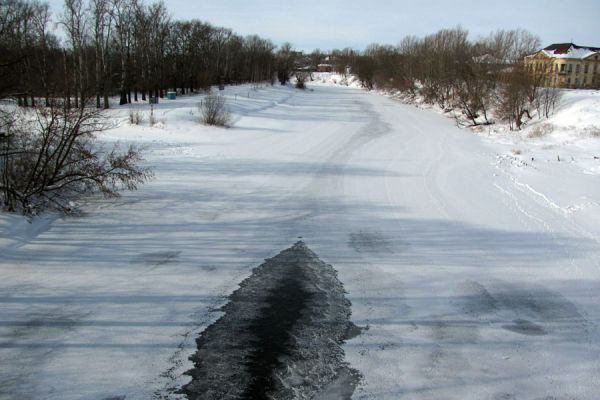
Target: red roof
x,y
563,48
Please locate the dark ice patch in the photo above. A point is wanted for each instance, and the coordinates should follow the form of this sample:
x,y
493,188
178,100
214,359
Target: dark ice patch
x,y
157,258
539,303
272,332
525,327
474,299
504,396
370,242
279,337
551,311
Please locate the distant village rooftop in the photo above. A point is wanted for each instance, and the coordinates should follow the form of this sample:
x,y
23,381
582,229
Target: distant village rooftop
x,y
569,50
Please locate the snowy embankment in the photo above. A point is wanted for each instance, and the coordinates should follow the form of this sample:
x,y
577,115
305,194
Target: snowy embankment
x,y
475,268
570,134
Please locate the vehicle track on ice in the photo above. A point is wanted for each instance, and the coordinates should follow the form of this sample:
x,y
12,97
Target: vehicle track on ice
x,y
280,336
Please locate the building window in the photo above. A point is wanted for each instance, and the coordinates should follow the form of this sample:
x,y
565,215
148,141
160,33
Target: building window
x,y
577,68
570,69
586,68
562,67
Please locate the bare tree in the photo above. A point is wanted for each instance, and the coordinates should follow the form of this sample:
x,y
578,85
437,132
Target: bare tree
x,y
315,58
365,70
103,24
123,14
472,95
514,97
285,63
548,98
43,43
75,22
52,159
512,45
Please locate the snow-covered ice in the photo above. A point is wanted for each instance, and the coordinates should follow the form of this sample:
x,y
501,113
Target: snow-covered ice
x,y
475,267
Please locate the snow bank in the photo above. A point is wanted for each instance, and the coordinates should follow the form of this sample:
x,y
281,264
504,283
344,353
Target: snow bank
x,y
333,78
571,134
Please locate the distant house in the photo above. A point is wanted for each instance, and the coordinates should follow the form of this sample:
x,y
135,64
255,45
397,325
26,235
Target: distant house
x,y
566,65
325,68
489,60
303,63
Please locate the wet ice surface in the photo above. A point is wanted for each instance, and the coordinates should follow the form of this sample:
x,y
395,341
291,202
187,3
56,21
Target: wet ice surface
x,y
280,336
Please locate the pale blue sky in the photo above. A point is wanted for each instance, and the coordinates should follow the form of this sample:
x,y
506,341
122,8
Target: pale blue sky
x,y
326,24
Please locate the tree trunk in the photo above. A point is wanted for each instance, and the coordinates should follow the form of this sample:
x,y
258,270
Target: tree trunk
x,y
67,85
81,78
98,70
123,90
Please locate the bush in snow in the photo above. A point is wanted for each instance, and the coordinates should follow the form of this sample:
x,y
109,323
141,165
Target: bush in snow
x,y
135,117
301,81
152,119
49,157
593,131
540,131
214,110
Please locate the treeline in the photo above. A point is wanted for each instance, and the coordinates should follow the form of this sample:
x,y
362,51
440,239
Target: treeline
x,y
480,78
123,47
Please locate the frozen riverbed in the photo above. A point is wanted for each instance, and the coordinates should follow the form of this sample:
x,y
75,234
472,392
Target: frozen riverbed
x,y
476,270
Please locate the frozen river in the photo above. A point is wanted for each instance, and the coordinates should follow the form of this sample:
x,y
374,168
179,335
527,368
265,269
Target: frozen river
x,y
476,272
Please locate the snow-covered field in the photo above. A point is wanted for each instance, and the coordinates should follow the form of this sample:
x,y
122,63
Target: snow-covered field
x,y
474,259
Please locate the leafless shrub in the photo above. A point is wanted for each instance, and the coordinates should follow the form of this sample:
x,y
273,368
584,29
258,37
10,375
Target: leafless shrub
x,y
301,80
135,117
214,110
152,119
593,131
50,158
540,131
546,101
